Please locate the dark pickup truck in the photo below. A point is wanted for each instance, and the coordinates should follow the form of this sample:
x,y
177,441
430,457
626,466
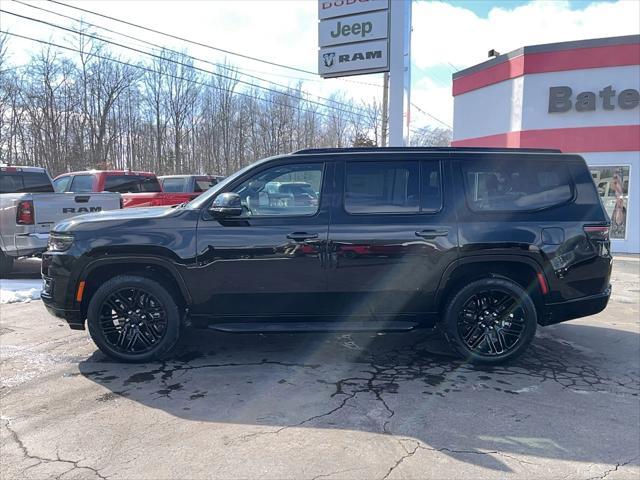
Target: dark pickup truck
x,y
484,244
138,189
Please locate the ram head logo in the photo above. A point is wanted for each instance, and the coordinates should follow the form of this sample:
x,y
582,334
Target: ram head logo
x,y
328,59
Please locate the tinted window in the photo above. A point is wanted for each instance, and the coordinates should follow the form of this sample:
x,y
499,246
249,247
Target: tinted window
x,y
382,187
25,182
430,185
131,184
261,197
61,184
37,182
203,184
516,184
82,184
10,182
173,184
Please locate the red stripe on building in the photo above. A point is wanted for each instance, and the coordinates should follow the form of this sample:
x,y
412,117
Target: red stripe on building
x,y
618,138
558,61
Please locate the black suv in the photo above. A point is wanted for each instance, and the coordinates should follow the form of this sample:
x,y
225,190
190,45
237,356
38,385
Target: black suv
x,y
485,244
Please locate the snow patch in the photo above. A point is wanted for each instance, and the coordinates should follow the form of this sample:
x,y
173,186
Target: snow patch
x,y
15,291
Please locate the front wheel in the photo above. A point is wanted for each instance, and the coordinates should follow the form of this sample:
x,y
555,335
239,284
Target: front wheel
x,y
133,319
490,321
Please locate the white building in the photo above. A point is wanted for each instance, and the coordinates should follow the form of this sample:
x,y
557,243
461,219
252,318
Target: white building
x,y
581,97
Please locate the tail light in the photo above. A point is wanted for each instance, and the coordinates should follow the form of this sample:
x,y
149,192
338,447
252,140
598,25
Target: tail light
x,y
599,233
24,214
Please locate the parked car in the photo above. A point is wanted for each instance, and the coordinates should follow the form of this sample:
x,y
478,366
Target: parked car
x,y
485,244
195,184
138,189
29,208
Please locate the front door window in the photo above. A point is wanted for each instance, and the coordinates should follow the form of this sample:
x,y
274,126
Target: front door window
x,y
286,190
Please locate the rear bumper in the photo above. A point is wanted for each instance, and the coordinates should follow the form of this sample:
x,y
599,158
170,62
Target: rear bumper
x,y
572,309
31,244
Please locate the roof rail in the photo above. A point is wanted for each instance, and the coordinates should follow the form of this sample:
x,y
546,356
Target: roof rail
x,y
424,149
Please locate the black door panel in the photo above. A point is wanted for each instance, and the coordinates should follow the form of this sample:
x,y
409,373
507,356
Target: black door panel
x,y
264,264
390,263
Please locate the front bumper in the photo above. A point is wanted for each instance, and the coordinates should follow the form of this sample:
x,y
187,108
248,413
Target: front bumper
x,y
577,308
72,317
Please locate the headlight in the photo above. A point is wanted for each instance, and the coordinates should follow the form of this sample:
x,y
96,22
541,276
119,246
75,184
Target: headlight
x,y
59,242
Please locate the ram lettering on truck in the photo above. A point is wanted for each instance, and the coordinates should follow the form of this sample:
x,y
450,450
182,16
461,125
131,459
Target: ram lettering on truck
x,y
80,210
29,208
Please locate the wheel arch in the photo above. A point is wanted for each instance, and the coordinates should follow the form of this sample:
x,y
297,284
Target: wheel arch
x,y
102,269
522,270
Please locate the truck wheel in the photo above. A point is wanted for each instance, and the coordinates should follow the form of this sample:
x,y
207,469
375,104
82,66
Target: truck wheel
x,y
133,319
490,321
6,264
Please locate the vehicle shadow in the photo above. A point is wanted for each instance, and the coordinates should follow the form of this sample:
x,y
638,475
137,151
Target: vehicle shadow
x,y
548,404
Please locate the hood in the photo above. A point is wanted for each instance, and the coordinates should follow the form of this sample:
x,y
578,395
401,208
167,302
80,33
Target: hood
x,y
116,216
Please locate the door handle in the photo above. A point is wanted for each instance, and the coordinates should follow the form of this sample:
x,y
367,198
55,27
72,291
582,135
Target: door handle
x,y
432,233
82,198
301,236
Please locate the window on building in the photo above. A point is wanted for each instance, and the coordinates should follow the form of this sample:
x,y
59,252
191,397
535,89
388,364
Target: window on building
x,y
612,183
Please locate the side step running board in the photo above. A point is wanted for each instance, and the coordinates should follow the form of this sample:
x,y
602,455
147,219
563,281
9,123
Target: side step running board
x,y
282,327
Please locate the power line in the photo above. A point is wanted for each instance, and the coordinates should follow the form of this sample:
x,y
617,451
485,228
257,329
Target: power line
x,y
182,39
432,116
176,37
160,57
351,112
171,50
151,70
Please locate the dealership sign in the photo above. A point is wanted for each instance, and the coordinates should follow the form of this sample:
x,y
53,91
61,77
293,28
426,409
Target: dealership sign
x,y
561,99
353,37
340,8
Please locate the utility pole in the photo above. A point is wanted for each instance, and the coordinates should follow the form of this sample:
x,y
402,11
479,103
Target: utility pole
x,y
385,108
400,71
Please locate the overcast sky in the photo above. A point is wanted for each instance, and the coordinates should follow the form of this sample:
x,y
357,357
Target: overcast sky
x,y
447,35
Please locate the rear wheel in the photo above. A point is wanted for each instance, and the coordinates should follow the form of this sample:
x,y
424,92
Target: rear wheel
x,y
133,319
490,321
6,264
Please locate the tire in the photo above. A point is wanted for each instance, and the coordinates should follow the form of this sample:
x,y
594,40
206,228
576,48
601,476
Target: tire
x,y
6,264
133,319
490,321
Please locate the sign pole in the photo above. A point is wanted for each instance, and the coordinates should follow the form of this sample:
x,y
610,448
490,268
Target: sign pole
x,y
400,70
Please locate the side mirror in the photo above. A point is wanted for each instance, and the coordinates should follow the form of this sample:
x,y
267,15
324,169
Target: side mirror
x,y
226,205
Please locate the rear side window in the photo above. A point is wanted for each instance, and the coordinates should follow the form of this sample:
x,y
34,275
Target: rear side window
x,y
61,184
131,184
204,184
516,184
382,187
25,182
173,184
82,184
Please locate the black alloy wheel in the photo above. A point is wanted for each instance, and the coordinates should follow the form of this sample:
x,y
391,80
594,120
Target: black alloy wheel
x,y
490,321
133,318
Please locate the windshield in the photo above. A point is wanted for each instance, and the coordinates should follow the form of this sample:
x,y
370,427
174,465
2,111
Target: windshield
x,y
203,199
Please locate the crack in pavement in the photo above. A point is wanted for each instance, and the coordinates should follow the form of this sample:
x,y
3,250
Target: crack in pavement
x,y
614,469
22,447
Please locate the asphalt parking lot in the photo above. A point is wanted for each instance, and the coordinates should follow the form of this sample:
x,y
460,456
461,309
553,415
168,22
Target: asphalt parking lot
x,y
324,406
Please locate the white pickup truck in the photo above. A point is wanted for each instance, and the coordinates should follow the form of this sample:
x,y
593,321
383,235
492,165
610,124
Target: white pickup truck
x,y
29,208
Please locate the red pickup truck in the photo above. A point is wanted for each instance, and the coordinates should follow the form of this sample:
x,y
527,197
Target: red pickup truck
x,y
138,189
